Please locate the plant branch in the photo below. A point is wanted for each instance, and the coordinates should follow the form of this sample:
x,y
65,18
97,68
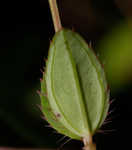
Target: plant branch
x,y
55,15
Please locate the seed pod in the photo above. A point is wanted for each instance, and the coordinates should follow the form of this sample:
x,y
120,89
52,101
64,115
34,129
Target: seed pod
x,y
75,99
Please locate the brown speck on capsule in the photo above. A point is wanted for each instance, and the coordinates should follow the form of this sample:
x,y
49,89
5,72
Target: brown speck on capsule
x,y
57,115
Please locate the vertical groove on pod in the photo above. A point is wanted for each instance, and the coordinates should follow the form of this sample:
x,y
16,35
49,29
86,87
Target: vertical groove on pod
x,y
81,103
80,88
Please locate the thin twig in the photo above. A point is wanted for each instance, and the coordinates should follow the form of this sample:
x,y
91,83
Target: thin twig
x,y
55,15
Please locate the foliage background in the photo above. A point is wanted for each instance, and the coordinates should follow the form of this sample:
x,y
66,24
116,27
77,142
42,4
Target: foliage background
x,y
25,32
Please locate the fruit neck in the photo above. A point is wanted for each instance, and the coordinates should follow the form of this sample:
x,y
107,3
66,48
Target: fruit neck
x,y
88,143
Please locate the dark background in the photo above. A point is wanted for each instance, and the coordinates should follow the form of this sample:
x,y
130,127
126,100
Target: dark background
x,y
26,29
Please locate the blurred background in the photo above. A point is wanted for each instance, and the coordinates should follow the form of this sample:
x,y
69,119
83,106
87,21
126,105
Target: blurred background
x,y
26,29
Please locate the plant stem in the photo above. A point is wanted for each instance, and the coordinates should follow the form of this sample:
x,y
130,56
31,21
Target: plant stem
x,y
55,15
88,143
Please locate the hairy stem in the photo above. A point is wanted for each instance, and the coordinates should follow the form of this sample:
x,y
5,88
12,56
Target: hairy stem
x,y
55,15
88,143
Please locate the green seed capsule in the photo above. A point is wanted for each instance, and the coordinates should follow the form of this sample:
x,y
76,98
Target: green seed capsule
x,y
74,89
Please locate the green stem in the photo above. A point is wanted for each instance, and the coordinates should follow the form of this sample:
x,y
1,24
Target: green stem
x,y
55,15
88,143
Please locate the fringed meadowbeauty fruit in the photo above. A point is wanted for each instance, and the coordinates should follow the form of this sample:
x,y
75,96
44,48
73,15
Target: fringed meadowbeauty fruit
x,y
74,92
